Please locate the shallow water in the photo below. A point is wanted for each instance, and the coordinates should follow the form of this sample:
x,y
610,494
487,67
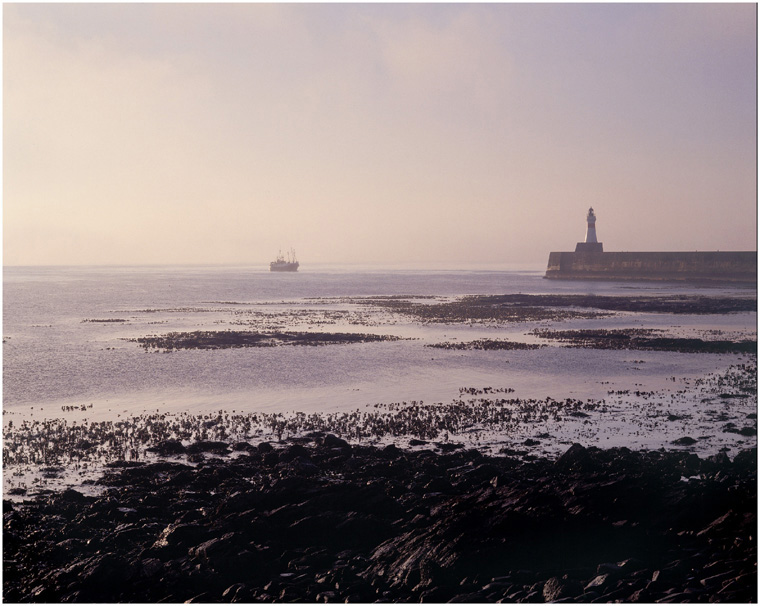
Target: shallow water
x,y
66,353
52,355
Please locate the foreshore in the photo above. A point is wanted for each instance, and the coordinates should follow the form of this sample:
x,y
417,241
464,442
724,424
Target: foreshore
x,y
316,519
494,491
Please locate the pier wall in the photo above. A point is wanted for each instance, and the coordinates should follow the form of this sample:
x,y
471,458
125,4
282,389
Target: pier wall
x,y
714,266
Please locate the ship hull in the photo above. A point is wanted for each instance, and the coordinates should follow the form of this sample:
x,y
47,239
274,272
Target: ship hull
x,y
291,267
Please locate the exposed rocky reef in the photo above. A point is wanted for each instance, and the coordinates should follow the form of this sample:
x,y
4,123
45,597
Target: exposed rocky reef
x,y
727,399
478,309
55,442
486,344
674,304
104,320
320,520
643,339
222,339
527,308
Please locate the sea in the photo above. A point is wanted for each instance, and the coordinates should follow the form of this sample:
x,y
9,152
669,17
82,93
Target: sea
x,y
70,351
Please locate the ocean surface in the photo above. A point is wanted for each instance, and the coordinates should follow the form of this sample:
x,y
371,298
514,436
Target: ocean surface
x,y
67,351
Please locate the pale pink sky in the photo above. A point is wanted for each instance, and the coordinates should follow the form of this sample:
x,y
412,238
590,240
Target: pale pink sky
x,y
375,133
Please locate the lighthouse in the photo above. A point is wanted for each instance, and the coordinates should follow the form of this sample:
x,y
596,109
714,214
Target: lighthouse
x,y
591,226
591,244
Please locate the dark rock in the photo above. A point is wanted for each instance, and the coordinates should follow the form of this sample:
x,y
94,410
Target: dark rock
x,y
239,592
746,460
168,447
630,565
437,595
609,568
102,574
533,597
476,597
74,496
557,589
391,451
217,550
271,458
479,474
684,441
599,583
203,446
201,598
292,452
575,458
438,484
727,521
363,524
718,461
332,441
180,535
151,567
640,596
587,597
448,446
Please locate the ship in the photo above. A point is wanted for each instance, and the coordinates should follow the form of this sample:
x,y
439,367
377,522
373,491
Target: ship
x,y
283,264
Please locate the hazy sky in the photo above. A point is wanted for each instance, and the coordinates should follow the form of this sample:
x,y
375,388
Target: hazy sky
x,y
375,133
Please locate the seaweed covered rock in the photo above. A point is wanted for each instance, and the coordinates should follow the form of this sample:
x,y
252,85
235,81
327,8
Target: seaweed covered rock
x,y
329,521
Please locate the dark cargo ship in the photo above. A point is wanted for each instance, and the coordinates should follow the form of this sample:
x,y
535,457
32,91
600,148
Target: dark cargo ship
x,y
283,264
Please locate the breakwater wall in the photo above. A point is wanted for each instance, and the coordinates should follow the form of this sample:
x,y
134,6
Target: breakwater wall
x,y
714,266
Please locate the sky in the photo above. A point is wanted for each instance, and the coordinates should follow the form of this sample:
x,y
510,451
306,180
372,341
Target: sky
x,y
427,135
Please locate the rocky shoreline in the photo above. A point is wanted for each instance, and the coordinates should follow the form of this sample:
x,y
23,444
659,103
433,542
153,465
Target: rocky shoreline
x,y
316,519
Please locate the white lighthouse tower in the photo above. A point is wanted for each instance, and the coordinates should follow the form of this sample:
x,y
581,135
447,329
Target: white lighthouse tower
x,y
591,226
591,244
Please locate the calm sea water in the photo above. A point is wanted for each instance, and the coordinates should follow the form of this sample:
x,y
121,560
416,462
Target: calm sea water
x,y
59,352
